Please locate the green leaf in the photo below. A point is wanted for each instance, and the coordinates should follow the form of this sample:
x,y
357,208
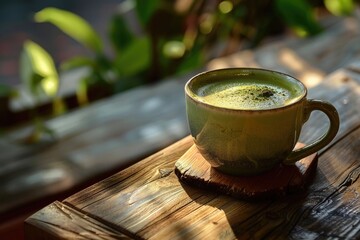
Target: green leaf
x,y
340,7
119,33
37,70
135,58
77,62
298,14
73,25
145,9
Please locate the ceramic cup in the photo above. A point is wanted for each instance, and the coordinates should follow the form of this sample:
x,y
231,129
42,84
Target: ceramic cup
x,y
250,141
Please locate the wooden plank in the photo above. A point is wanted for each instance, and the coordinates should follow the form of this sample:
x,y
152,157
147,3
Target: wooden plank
x,y
154,167
136,104
332,207
63,222
107,135
165,208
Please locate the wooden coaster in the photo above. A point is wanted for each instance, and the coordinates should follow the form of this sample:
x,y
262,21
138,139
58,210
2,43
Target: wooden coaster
x,y
193,169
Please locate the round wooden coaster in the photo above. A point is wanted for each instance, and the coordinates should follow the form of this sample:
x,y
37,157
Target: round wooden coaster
x,y
193,169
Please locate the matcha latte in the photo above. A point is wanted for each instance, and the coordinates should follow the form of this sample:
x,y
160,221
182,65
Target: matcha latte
x,y
247,93
245,121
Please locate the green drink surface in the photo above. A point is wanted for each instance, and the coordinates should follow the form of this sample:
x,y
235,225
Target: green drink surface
x,y
246,94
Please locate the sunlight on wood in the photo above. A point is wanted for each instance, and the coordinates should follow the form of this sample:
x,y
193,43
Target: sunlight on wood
x,y
311,79
288,61
307,74
242,59
343,78
289,58
208,223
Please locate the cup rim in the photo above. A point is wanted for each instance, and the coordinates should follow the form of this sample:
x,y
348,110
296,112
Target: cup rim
x,y
300,98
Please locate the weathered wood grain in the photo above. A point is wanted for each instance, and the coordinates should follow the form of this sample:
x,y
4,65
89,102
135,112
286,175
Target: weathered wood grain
x,y
64,222
332,207
156,166
280,181
165,208
108,135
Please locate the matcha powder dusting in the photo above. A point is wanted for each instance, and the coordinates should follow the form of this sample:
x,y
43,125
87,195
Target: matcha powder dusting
x,y
266,94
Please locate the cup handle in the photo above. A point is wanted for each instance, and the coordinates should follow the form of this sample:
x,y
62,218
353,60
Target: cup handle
x,y
326,138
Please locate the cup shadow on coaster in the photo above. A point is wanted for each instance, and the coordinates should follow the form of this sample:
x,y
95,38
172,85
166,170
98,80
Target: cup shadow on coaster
x,y
282,180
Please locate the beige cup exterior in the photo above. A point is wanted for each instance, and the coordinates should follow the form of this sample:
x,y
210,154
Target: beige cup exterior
x,y
250,142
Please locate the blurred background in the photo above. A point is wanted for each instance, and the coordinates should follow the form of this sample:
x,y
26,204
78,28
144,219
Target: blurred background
x,y
178,36
17,25
114,46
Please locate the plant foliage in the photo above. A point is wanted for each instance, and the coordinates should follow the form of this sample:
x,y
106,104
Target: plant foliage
x,y
73,25
163,38
37,70
175,37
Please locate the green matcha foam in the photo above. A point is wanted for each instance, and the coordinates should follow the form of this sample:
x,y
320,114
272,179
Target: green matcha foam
x,y
245,95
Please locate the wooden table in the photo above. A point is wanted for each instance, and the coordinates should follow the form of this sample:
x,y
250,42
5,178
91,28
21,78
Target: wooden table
x,y
147,201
